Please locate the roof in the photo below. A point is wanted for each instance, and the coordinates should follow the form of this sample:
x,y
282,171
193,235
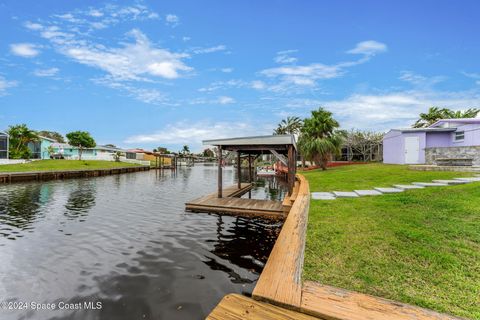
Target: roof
x,y
278,142
425,129
4,133
460,120
102,147
46,138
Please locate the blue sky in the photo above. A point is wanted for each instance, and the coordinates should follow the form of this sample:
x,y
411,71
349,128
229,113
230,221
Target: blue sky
x,y
168,73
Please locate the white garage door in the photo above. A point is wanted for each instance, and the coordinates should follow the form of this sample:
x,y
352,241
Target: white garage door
x,y
412,150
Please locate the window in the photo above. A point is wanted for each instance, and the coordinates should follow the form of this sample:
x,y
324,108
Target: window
x,y
459,136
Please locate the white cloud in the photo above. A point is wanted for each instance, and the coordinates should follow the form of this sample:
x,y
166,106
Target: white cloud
x,y
368,48
284,57
5,85
46,72
259,85
226,70
225,100
33,26
172,20
194,133
133,61
210,49
395,109
420,80
26,50
146,95
292,78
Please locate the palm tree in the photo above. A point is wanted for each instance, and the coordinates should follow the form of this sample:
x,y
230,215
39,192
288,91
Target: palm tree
x,y
320,137
20,136
185,149
435,113
291,125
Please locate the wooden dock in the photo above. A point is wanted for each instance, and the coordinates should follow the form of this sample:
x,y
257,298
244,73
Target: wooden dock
x,y
8,177
232,204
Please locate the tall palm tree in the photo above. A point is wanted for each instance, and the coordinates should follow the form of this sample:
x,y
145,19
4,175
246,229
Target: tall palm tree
x,y
320,137
290,125
435,113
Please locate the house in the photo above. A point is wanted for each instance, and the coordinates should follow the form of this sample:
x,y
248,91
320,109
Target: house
x,y
144,155
99,152
4,144
446,138
39,148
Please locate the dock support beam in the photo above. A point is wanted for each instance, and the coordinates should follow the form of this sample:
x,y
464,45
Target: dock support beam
x,y
239,162
291,169
249,168
220,171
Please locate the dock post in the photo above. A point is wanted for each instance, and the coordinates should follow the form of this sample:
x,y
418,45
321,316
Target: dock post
x,y
239,170
220,171
249,168
291,169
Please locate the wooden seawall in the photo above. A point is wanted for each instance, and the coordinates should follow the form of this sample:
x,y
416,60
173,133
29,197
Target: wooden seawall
x,y
8,177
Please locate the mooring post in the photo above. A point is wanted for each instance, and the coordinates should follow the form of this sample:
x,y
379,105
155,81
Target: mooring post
x,y
238,170
219,171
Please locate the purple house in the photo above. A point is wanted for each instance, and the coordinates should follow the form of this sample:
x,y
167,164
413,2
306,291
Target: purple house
x,y
447,138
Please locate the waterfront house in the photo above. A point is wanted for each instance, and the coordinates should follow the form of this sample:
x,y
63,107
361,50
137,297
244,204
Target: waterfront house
x,y
445,139
4,144
39,148
99,152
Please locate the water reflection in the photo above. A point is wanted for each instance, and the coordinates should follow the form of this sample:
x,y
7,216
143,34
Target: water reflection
x,y
20,207
136,250
80,200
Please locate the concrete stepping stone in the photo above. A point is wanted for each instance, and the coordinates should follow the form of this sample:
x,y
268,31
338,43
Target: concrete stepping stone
x,y
368,192
389,190
452,182
323,196
472,179
407,186
345,194
430,184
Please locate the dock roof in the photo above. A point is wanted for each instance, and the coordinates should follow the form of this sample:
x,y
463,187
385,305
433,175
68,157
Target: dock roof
x,y
255,144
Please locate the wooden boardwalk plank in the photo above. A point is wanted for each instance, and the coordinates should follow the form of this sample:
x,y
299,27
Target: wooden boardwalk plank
x,y
238,307
339,304
231,204
280,282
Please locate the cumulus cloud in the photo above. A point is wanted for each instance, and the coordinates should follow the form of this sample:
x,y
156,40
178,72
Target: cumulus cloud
x,y
26,50
225,100
46,72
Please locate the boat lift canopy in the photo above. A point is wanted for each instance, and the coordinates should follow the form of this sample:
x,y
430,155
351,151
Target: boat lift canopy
x,y
279,145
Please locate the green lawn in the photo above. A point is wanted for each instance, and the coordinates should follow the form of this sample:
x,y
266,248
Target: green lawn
x,y
349,178
51,165
420,247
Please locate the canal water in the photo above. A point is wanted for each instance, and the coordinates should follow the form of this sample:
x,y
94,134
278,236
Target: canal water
x,y
122,247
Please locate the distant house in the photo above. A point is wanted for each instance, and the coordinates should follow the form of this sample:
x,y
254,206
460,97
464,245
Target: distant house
x,y
144,155
4,144
97,153
39,149
446,138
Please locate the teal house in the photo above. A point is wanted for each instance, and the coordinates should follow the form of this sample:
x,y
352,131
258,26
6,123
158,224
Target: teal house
x,y
39,149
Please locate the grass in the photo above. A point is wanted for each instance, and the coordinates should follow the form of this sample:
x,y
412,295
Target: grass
x,y
349,178
52,165
420,247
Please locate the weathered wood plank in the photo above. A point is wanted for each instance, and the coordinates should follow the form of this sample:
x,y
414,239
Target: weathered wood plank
x,y
340,304
238,307
280,282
